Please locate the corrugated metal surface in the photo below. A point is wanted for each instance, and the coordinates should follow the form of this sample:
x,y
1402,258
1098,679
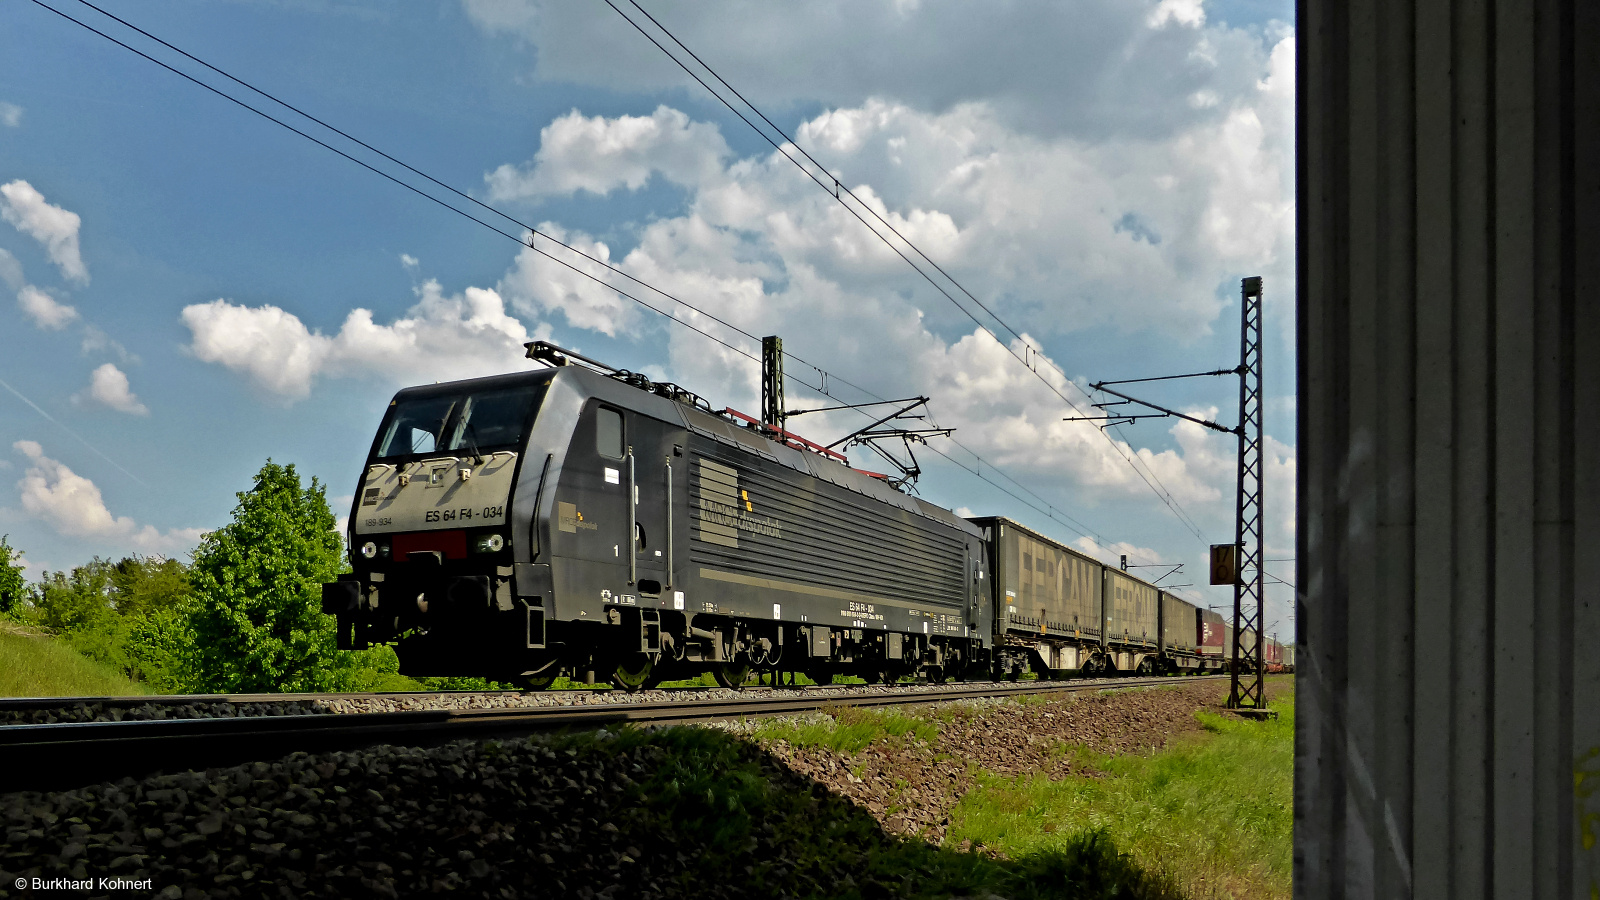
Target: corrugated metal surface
x,y
1448,692
1177,623
1047,587
1054,587
753,517
1130,609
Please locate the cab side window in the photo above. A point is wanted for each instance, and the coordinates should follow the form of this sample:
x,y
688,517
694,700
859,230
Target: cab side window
x,y
608,432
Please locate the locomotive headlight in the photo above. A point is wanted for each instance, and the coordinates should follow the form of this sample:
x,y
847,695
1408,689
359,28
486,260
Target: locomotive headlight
x,y
369,550
490,543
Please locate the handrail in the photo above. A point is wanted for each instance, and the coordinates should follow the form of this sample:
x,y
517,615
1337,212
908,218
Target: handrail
x,y
788,436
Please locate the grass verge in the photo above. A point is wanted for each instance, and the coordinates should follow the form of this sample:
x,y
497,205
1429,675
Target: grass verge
x,y
757,827
1213,812
847,729
34,665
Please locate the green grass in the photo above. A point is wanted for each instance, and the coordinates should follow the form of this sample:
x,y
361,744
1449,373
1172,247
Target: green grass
x,y
848,729
1214,811
33,665
749,826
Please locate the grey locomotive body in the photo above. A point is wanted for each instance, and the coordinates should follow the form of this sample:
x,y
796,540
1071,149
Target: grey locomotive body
x,y
590,522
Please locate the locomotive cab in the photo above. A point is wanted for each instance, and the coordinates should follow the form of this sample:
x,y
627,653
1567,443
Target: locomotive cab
x,y
431,526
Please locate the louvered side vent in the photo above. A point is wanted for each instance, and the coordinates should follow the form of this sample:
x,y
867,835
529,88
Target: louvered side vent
x,y
770,521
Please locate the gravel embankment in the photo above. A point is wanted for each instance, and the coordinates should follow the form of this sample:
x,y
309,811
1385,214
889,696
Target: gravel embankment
x,y
387,821
911,786
686,812
101,712
533,817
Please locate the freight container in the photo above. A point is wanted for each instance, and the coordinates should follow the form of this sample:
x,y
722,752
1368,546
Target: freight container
x,y
1179,648
1130,609
1048,597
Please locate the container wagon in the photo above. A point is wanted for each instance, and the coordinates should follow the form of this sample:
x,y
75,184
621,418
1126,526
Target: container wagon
x,y
1047,601
1060,612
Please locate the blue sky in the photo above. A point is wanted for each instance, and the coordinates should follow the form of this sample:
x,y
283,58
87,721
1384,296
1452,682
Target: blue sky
x,y
182,282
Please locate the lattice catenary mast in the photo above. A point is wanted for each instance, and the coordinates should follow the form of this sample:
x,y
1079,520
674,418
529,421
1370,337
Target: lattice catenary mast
x,y
1247,690
772,411
1238,564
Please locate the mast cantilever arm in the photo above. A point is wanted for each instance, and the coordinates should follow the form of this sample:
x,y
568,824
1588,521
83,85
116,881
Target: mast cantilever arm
x,y
1233,371
916,402
1101,386
800,412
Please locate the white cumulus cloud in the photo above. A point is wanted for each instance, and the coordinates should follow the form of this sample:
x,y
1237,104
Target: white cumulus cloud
x,y
74,507
1133,234
1188,13
596,154
1111,553
108,386
1089,67
10,114
1047,229
57,229
440,338
43,309
10,270
538,286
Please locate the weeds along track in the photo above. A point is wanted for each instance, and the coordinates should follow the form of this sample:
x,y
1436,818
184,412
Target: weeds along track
x,y
99,739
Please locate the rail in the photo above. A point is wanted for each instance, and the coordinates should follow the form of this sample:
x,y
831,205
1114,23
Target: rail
x,y
64,755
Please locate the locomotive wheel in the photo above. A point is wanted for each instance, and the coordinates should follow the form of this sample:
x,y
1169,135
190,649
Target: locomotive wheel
x,y
1014,674
633,672
937,675
731,675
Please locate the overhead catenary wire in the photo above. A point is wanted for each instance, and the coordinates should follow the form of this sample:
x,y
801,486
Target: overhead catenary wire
x,y
408,167
413,188
527,242
838,191
1049,509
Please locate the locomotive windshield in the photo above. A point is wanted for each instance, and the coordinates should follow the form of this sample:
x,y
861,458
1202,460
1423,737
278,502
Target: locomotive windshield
x,y
473,422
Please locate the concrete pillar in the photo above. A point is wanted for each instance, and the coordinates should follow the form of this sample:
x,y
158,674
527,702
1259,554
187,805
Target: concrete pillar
x,y
1449,449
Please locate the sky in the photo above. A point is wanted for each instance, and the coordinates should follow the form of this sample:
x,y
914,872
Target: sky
x,y
188,290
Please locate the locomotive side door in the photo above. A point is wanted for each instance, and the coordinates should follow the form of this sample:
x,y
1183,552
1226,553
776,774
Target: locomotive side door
x,y
652,468
592,508
977,590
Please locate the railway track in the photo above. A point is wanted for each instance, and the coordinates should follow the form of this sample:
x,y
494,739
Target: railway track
x,y
66,755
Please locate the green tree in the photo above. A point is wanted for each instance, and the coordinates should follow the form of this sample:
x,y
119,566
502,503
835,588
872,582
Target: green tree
x,y
152,594
142,585
160,646
65,602
256,614
12,585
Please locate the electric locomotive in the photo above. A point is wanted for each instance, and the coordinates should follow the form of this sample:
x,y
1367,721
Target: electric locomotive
x,y
488,529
